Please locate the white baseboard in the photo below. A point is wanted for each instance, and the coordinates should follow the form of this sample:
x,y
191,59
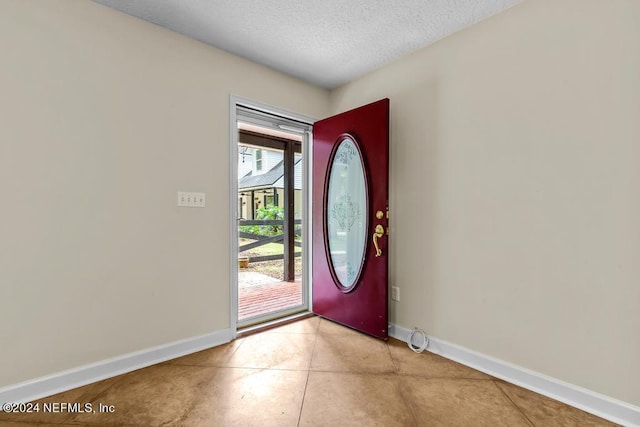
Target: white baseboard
x,y
603,406
66,380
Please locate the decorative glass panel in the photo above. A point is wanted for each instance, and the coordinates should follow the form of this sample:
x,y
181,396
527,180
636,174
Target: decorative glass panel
x,y
347,213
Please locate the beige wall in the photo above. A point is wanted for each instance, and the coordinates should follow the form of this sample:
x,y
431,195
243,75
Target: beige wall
x,y
515,204
103,118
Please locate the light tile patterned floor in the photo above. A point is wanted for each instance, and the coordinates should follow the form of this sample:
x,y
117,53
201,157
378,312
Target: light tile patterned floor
x,y
309,373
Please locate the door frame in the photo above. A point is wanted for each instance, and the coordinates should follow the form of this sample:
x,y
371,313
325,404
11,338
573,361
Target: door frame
x,y
306,125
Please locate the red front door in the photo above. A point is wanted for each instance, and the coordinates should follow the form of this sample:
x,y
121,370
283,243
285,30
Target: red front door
x,y
350,203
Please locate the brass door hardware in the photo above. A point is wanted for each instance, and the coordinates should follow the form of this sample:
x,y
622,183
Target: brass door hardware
x,y
377,233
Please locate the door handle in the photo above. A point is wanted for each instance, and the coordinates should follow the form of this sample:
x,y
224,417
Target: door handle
x,y
377,233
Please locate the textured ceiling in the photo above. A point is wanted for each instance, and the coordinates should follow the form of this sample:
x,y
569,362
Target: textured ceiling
x,y
324,42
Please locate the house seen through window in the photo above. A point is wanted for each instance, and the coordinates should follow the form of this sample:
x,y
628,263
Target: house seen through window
x,y
258,157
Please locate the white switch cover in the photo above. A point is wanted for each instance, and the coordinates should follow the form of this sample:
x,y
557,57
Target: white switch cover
x,y
191,200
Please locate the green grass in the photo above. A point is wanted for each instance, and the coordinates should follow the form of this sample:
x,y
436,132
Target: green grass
x,y
270,268
270,249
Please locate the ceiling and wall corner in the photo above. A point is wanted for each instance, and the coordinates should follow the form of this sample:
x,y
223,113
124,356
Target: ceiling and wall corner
x,y
326,43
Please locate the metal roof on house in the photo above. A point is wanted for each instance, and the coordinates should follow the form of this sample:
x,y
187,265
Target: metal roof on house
x,y
267,179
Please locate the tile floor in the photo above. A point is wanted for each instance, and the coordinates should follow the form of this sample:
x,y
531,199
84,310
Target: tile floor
x,y
308,373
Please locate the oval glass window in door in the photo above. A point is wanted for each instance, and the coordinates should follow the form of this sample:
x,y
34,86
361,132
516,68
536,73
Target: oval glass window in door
x,y
346,213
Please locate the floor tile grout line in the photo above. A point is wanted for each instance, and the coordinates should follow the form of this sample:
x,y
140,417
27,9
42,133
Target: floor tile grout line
x,y
513,403
361,373
175,361
85,398
268,368
313,350
306,384
400,381
304,395
242,340
407,401
453,378
396,366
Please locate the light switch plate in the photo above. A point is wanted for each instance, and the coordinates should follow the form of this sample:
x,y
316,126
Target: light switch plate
x,y
191,200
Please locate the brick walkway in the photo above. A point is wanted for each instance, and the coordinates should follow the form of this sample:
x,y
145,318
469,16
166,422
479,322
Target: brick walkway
x,y
260,294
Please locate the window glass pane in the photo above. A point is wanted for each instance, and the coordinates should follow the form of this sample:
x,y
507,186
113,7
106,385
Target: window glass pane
x,y
346,213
